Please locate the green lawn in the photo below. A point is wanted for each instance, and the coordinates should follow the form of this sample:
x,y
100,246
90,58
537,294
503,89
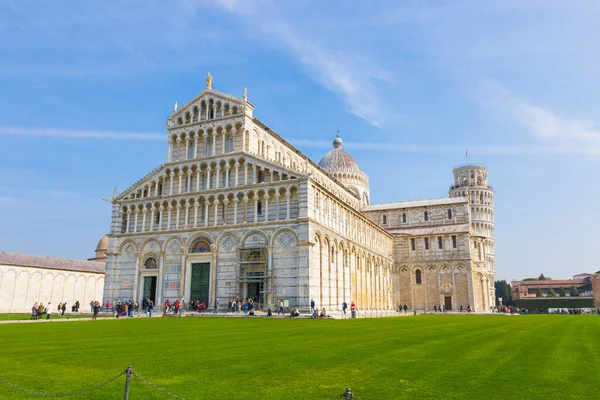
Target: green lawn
x,y
26,316
423,357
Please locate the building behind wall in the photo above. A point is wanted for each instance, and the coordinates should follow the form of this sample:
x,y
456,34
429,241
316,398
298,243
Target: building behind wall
x,y
237,211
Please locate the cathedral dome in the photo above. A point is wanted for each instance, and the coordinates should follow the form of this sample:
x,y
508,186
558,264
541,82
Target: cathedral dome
x,y
337,160
101,248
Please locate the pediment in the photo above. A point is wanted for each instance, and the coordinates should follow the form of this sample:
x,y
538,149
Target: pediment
x,y
221,103
142,183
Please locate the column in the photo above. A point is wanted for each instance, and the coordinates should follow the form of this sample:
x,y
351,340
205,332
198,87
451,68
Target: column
x,y
218,176
189,181
205,136
214,143
255,210
269,298
208,177
187,149
127,223
243,140
135,220
237,167
160,217
266,199
227,169
225,202
277,206
156,187
213,275
198,181
196,143
144,211
152,211
235,203
245,173
138,261
245,199
180,175
216,206
169,209
287,204
171,184
178,208
159,280
196,204
170,152
187,215
205,212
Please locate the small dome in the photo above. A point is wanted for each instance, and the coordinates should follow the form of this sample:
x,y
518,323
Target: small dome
x,y
102,244
337,160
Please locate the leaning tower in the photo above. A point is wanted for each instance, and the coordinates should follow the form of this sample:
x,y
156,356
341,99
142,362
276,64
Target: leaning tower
x,y
471,181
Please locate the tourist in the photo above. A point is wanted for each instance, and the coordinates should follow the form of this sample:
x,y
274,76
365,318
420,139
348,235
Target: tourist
x,y
405,308
176,307
63,308
296,312
344,307
434,308
126,309
40,312
281,310
269,313
314,313
323,313
49,310
96,310
92,306
352,306
461,308
77,306
107,306
150,308
202,306
216,306
34,311
312,305
468,308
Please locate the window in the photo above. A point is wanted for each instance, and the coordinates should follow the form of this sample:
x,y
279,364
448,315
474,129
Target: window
x,y
156,217
449,213
440,243
426,216
472,175
418,277
209,142
124,223
404,218
223,211
159,189
412,244
426,243
384,219
453,242
228,144
259,207
481,198
261,176
190,153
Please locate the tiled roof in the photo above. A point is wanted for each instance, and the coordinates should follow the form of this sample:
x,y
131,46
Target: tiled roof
x,y
27,260
418,203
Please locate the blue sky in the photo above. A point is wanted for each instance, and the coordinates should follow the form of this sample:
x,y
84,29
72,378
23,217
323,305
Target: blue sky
x,y
86,88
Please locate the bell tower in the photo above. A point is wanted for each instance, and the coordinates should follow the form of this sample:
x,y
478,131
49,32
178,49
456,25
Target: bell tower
x,y
471,181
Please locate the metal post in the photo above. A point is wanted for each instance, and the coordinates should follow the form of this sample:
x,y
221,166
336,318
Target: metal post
x,y
127,380
348,395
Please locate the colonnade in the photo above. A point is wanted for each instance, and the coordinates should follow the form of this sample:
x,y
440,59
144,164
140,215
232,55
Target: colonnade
x,y
263,205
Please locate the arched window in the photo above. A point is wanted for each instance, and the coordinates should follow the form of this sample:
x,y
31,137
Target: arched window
x,y
426,216
151,263
228,144
418,277
449,213
200,246
481,198
403,218
209,142
190,153
384,219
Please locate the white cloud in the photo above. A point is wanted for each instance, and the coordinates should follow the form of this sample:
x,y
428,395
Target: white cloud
x,y
353,77
79,134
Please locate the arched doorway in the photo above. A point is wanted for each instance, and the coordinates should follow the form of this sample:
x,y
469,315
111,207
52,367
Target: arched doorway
x,y
200,272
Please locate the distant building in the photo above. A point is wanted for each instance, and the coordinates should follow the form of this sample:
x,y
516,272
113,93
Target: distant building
x,y
525,293
26,279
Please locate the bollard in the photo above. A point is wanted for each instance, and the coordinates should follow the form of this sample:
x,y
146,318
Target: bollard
x,y
348,395
127,380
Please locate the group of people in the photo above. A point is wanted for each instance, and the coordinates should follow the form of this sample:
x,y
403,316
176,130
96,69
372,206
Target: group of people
x,y
38,310
237,305
124,308
197,305
171,308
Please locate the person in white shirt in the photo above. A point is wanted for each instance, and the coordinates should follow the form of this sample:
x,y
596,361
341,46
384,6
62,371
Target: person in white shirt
x,y
48,310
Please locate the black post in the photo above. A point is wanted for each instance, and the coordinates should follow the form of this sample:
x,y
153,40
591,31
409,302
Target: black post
x,y
348,395
127,379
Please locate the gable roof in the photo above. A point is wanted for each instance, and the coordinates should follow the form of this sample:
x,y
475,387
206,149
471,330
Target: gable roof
x,y
28,260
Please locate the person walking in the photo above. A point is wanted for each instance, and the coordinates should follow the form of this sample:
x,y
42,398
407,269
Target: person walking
x,y
344,307
96,310
107,306
63,308
49,310
150,308
281,309
216,306
34,310
312,305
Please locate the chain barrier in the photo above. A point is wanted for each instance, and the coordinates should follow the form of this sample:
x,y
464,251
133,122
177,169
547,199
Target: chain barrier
x,y
347,395
144,380
34,393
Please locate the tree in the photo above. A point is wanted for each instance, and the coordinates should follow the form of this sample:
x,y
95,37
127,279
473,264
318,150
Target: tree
x,y
538,293
530,279
574,292
544,278
561,292
503,290
551,293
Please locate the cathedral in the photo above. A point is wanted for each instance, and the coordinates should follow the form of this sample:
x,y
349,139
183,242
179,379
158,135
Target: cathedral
x,y
237,211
